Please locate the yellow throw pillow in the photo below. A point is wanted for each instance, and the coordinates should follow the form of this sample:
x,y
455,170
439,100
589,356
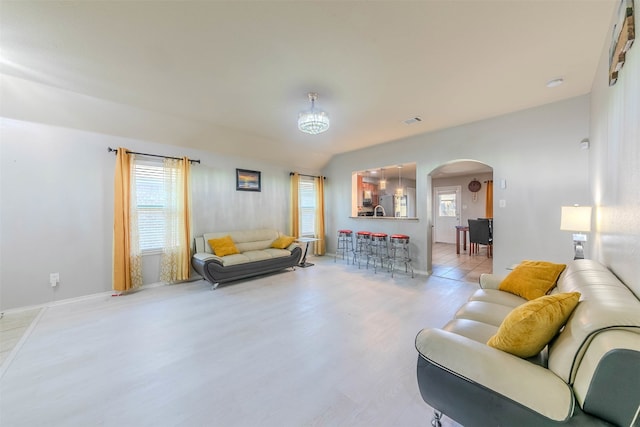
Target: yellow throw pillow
x,y
529,328
532,279
223,246
282,242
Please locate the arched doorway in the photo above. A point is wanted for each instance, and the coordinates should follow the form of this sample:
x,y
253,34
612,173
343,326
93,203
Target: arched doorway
x,y
458,192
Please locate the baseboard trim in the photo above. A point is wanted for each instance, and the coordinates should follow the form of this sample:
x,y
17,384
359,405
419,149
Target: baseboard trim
x,y
73,300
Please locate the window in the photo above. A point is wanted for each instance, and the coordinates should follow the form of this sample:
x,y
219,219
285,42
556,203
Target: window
x,y
151,204
385,186
307,206
447,203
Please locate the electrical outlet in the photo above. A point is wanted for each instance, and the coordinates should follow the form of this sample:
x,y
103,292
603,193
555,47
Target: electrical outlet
x,y
54,279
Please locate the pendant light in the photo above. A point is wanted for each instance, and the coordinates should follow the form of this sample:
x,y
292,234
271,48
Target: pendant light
x,y
399,190
383,182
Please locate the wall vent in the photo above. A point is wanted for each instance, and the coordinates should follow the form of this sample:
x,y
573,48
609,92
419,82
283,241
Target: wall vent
x,y
412,120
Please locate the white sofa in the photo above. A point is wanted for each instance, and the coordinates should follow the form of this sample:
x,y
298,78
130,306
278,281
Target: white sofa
x,y
588,375
256,256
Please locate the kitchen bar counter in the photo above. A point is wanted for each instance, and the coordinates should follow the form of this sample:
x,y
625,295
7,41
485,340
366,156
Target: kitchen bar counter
x,y
386,217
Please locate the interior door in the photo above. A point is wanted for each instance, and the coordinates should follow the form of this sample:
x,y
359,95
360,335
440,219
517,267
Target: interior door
x,y
447,213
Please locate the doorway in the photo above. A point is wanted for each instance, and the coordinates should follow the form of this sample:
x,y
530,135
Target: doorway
x,y
446,213
458,191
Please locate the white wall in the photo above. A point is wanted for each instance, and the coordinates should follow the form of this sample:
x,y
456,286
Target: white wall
x,y
40,103
56,207
614,160
56,201
536,151
56,184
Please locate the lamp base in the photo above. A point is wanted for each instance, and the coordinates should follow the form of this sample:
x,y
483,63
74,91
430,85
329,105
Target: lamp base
x,y
579,250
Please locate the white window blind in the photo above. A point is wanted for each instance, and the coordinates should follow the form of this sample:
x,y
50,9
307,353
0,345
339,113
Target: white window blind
x,y
307,201
151,204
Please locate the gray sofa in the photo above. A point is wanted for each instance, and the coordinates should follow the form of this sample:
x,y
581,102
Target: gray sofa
x,y
256,256
588,375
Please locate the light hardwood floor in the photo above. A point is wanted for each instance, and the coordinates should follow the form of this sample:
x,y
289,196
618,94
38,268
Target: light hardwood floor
x,y
329,345
13,326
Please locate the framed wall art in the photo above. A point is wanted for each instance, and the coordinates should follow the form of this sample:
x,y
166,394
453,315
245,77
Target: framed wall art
x,y
623,35
247,180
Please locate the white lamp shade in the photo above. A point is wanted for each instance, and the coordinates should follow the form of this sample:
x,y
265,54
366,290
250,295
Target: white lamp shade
x,y
576,218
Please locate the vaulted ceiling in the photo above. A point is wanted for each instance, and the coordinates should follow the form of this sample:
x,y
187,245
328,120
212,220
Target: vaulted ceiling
x,y
245,67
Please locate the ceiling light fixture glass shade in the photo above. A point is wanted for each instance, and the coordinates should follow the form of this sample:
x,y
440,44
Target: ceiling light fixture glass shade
x,y
313,121
399,190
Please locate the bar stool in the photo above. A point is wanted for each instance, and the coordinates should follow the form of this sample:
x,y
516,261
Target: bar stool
x,y
345,244
379,250
400,253
361,251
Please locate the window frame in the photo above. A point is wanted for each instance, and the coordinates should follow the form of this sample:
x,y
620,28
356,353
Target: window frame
x,y
307,205
153,173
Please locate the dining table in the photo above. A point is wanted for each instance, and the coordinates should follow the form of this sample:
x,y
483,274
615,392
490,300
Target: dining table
x,y
461,229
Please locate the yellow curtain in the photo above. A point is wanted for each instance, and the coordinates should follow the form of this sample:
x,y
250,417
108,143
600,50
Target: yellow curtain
x,y
319,247
176,254
489,200
186,191
127,261
295,212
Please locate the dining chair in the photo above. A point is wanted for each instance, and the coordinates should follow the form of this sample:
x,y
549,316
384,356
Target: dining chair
x,y
480,234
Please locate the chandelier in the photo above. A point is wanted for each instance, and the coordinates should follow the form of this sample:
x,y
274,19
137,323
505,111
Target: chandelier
x,y
313,121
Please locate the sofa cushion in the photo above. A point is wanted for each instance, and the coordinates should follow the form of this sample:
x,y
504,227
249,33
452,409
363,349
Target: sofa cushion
x,y
246,240
277,253
257,255
472,329
532,279
282,242
530,327
482,331
497,297
254,240
234,259
606,303
485,312
223,246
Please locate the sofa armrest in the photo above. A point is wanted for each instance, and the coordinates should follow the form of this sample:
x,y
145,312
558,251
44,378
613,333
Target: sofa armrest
x,y
292,246
498,371
490,281
203,256
199,244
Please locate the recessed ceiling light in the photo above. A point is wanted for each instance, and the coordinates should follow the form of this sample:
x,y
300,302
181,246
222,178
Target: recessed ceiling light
x,y
555,82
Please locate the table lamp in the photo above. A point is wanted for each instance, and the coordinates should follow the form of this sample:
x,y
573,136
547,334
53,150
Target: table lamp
x,y
576,218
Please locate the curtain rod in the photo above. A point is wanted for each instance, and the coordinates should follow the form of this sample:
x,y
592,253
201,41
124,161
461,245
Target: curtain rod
x,y
152,155
311,176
